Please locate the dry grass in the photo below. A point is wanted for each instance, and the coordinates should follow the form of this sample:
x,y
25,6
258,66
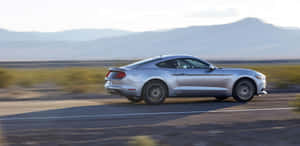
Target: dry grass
x,y
76,80
6,79
142,141
296,103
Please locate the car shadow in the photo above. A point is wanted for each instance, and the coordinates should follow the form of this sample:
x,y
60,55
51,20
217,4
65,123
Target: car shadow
x,y
50,126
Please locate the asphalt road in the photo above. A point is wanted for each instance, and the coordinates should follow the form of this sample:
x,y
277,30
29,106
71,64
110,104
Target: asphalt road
x,y
267,120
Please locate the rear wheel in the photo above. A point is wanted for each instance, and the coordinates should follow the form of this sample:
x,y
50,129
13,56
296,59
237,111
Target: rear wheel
x,y
134,99
155,92
244,90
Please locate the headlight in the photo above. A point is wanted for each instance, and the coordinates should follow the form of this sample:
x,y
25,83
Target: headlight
x,y
260,76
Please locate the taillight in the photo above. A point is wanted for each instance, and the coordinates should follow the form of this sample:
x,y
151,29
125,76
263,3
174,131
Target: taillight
x,y
107,73
120,75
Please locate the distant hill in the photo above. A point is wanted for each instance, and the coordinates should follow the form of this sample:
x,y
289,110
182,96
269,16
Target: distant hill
x,y
249,38
68,35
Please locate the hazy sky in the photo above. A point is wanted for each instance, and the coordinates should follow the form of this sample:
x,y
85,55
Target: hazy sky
x,y
140,15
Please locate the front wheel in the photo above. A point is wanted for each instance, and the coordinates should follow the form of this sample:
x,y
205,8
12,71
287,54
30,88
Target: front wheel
x,y
244,91
154,92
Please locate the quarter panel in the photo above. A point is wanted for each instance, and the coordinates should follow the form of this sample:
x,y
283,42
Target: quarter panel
x,y
239,74
142,75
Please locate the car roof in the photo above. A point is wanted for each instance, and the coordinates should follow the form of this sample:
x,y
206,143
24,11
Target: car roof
x,y
156,59
176,56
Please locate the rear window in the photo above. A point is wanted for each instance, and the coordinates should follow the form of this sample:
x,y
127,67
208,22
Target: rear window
x,y
141,62
168,64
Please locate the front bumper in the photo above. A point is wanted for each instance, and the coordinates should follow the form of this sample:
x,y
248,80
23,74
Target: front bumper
x,y
261,87
122,90
262,92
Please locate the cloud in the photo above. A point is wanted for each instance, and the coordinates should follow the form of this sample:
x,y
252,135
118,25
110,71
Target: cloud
x,y
213,13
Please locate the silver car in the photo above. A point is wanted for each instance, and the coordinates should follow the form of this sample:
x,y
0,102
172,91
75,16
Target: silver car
x,y
154,79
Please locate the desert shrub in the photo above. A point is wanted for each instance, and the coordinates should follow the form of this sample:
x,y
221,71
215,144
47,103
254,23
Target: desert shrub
x,y
76,81
81,80
142,141
26,83
25,79
296,103
6,79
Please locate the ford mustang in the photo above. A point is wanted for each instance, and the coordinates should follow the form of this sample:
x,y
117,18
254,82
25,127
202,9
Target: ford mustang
x,y
155,79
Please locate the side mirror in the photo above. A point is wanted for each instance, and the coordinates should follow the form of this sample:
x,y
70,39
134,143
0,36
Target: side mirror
x,y
212,67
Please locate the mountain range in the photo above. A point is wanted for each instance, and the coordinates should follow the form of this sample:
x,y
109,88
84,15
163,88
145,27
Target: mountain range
x,y
249,38
67,35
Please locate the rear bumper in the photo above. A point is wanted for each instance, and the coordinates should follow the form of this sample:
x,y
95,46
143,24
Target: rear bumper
x,y
122,90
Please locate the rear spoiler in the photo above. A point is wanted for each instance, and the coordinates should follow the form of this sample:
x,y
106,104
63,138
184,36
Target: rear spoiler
x,y
116,69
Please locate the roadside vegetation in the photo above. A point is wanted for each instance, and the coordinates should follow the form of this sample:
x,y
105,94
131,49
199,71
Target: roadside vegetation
x,y
91,79
74,80
77,80
296,104
5,78
142,141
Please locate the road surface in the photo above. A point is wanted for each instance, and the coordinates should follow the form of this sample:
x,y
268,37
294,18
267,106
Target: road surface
x,y
267,120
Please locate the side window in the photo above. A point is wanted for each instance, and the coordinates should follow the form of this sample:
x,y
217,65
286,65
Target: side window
x,y
168,64
186,63
182,64
197,64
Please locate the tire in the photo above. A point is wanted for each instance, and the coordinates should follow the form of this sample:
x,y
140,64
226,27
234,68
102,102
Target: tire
x,y
134,99
221,98
244,90
155,92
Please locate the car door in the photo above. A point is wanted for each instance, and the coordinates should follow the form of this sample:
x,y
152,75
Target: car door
x,y
195,78
168,71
